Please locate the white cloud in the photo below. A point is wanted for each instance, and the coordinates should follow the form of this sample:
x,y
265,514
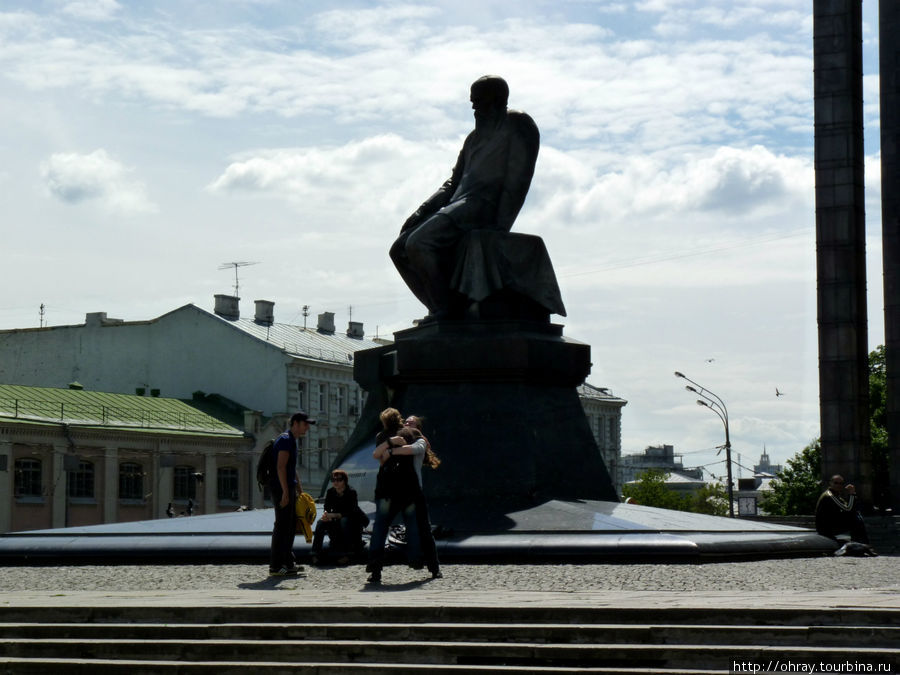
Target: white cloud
x,y
392,65
92,10
74,178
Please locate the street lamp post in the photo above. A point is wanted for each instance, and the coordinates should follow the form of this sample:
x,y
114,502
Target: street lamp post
x,y
717,405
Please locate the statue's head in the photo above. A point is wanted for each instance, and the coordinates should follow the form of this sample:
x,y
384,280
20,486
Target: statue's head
x,y
491,89
489,96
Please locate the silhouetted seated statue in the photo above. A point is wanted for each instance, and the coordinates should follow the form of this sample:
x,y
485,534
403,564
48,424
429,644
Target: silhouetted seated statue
x,y
455,252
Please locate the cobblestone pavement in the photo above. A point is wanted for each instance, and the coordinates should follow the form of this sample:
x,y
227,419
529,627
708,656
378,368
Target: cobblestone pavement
x,y
796,574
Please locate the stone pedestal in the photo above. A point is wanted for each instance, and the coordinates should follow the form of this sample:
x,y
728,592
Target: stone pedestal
x,y
500,409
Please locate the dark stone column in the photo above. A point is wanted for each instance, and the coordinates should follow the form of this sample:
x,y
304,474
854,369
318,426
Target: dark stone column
x,y
840,242
889,57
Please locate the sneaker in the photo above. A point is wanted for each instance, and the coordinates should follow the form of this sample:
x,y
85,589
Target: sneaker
x,y
374,578
285,571
436,574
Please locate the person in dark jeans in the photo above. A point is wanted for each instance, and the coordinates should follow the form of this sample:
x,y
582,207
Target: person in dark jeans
x,y
340,521
284,487
396,487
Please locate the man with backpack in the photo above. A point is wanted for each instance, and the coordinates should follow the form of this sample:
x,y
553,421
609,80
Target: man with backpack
x,y
284,485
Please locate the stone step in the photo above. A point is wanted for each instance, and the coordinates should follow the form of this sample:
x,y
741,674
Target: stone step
x,y
440,653
847,636
281,614
129,667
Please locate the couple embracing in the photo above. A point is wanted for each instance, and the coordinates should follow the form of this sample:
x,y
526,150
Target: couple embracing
x,y
402,451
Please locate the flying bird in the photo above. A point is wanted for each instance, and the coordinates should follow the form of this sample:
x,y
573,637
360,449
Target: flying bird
x,y
710,360
778,393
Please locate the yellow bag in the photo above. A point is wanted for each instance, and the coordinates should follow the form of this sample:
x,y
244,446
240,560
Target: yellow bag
x,y
306,515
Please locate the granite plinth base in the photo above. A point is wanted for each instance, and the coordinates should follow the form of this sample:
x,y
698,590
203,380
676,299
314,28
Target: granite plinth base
x,y
500,409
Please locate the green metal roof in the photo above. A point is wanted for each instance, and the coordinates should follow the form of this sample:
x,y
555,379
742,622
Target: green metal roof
x,y
94,408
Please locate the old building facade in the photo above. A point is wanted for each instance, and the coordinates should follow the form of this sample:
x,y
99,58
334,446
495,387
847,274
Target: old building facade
x,y
604,414
72,457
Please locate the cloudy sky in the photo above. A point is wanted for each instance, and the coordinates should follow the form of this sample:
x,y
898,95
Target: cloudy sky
x,y
147,143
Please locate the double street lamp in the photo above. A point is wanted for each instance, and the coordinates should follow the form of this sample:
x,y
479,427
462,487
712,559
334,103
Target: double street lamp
x,y
717,405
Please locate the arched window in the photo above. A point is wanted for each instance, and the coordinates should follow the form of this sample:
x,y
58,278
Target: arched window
x,y
28,477
131,481
81,482
185,486
227,484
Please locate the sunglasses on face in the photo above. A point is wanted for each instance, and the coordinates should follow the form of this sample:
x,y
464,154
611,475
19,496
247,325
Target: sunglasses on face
x,y
337,479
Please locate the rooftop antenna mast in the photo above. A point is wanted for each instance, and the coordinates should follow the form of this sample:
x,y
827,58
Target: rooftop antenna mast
x,y
235,265
305,314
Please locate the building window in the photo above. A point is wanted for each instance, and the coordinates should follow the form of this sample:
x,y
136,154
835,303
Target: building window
x,y
81,482
185,486
322,398
301,395
227,484
28,478
340,396
316,462
131,481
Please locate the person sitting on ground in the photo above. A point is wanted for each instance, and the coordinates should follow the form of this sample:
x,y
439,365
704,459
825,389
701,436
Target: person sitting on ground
x,y
837,513
340,520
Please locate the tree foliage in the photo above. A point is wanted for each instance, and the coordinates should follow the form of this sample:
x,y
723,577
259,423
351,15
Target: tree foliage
x,y
878,424
711,499
797,487
651,490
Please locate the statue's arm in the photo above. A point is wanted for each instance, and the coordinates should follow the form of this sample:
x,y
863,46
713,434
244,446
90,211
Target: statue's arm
x,y
439,199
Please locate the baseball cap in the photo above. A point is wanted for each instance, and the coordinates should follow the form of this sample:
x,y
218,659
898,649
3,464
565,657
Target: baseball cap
x,y
301,416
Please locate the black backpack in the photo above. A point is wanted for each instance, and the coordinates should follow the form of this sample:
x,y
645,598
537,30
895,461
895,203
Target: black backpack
x,y
265,469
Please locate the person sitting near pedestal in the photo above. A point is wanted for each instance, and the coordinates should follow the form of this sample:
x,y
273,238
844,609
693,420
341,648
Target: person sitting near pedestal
x,y
838,518
341,521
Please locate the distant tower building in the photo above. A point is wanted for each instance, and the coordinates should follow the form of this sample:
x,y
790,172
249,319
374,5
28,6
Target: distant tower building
x,y
765,466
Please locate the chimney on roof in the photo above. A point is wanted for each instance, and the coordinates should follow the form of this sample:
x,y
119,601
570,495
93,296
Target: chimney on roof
x,y
326,323
355,329
94,318
265,312
227,306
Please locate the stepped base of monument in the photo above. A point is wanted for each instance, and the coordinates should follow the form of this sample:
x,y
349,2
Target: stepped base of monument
x,y
555,531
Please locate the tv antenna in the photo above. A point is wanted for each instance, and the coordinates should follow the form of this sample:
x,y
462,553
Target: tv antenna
x,y
235,265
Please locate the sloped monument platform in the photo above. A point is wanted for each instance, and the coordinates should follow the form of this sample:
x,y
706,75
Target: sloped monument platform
x,y
563,531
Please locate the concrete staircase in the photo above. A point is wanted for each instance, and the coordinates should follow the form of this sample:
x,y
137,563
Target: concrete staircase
x,y
394,639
